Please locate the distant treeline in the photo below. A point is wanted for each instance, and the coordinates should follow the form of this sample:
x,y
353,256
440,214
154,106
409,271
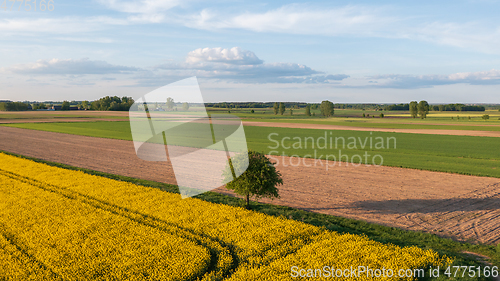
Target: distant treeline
x,y
291,105
109,103
124,103
357,106
440,107
105,103
14,106
254,104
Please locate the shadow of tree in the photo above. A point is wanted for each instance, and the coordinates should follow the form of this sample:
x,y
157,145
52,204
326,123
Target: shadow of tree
x,y
407,206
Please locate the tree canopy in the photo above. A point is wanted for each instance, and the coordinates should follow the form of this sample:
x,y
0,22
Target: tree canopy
x,y
13,106
259,180
112,103
423,109
282,108
326,108
276,108
170,103
413,109
308,110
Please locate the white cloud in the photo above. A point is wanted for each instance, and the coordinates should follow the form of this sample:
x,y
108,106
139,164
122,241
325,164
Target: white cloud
x,y
299,19
69,66
237,65
470,35
356,21
231,56
491,77
140,6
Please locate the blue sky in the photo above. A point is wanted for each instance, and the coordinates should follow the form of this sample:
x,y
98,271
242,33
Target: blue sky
x,y
343,51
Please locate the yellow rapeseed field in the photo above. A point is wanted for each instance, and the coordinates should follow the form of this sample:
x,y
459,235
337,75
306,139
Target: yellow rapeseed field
x,y
59,224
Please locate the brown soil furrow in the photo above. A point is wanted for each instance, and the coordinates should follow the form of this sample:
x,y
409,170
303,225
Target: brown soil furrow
x,y
447,204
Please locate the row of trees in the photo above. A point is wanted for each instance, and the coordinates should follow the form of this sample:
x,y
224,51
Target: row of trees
x,y
109,103
171,105
440,107
401,106
14,106
326,108
458,107
421,108
230,105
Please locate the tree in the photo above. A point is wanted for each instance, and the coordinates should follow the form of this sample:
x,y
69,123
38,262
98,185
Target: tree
x,y
112,103
170,103
252,111
381,115
485,117
282,108
308,110
259,180
85,104
276,108
423,109
326,108
291,111
185,106
413,109
65,105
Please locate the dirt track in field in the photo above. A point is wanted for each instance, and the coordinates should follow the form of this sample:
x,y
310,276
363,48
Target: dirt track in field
x,y
458,206
350,128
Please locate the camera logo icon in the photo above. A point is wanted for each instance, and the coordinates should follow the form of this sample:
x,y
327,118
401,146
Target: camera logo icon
x,y
171,123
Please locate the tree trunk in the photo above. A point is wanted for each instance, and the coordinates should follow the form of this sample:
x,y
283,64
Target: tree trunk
x,y
248,201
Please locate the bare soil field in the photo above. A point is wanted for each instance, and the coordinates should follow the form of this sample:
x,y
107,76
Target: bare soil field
x,y
458,206
349,128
